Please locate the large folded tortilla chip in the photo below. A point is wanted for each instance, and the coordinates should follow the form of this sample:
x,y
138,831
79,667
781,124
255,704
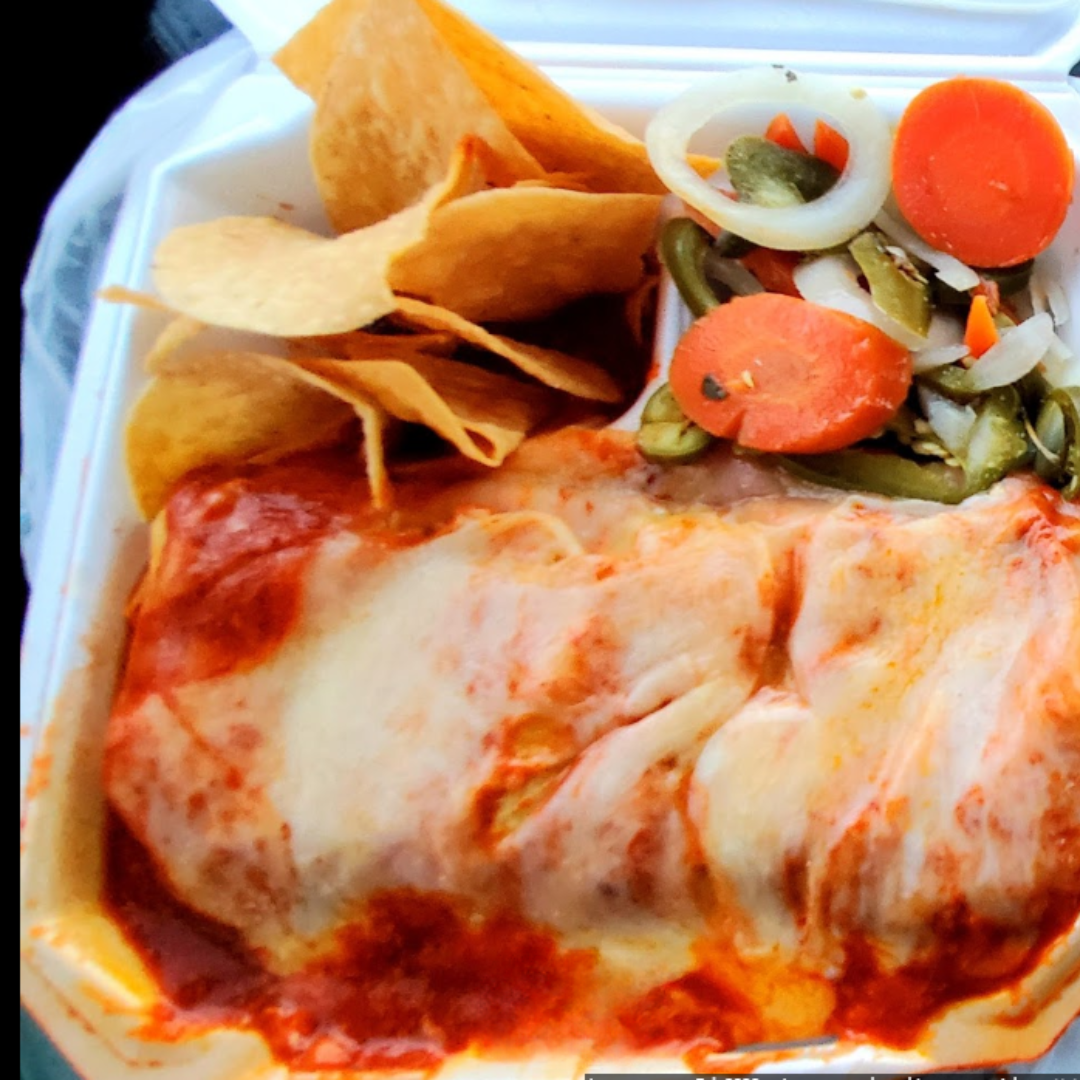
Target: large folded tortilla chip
x,y
556,369
222,408
261,274
484,415
395,104
521,253
121,294
258,273
376,424
560,133
179,331
306,57
366,345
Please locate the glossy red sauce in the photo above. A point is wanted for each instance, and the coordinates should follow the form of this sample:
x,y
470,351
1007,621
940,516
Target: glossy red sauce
x,y
1063,518
972,957
418,979
422,977
229,586
699,1010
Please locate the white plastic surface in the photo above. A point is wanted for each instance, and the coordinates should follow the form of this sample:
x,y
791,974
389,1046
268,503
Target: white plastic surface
x,y
974,36
248,155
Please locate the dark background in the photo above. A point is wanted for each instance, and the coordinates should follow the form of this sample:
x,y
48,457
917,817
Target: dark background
x,y
76,64
79,62
73,66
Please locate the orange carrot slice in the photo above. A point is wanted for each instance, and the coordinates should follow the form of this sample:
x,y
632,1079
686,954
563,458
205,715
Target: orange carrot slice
x,y
982,170
830,145
783,375
980,332
782,132
774,269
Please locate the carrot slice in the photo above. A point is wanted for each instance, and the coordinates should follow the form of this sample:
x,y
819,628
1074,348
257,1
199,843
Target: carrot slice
x,y
830,145
982,170
980,332
774,269
786,376
782,132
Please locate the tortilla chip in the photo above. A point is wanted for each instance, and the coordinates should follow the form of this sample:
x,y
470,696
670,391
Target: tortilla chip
x,y
306,57
261,274
558,370
121,294
222,408
179,332
485,416
640,308
374,421
364,345
376,424
562,181
257,273
523,252
560,133
394,107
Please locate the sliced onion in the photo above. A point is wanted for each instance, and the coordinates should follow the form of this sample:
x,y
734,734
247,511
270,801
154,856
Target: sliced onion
x,y
944,344
1014,355
1040,302
949,269
835,217
1059,303
923,360
944,329
832,281
1059,350
952,423
1061,365
733,274
1048,295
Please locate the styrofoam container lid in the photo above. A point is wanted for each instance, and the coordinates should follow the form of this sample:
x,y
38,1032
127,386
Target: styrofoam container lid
x,y
679,31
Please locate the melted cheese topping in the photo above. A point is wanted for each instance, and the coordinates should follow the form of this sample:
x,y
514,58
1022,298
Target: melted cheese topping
x,y
614,703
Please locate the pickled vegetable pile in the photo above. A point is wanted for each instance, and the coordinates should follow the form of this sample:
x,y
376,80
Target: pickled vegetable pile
x,y
874,310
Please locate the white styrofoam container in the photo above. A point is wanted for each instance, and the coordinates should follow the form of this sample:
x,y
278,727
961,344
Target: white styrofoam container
x,y
249,156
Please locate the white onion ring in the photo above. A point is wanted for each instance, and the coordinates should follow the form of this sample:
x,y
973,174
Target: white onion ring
x,y
1061,365
1018,351
952,423
937,356
832,281
949,269
835,217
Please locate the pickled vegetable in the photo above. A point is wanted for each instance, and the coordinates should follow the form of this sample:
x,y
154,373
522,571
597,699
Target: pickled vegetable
x,y
896,287
730,246
765,174
666,436
998,443
1057,440
683,247
952,380
882,473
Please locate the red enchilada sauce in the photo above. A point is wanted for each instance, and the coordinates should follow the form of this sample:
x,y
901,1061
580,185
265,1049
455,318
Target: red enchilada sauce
x,y
422,978
418,980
